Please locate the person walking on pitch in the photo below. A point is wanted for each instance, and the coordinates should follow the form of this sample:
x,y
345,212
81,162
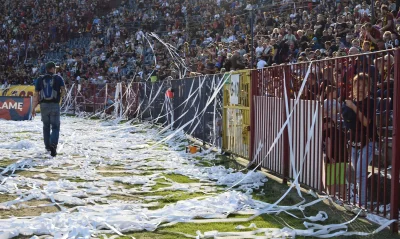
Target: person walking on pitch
x,y
49,90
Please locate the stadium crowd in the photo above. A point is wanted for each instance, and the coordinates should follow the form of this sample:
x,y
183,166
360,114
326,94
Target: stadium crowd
x,y
31,28
104,41
210,36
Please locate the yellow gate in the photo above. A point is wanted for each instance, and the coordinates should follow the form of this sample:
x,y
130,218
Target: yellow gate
x,y
236,114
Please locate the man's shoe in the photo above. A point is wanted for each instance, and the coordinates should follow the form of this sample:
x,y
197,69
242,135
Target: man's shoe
x,y
48,151
53,150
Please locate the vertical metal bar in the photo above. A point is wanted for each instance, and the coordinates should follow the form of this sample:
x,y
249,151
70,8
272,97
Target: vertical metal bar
x,y
253,84
293,120
325,96
367,138
394,201
337,148
333,135
267,80
309,116
138,96
386,156
263,135
382,68
106,97
75,90
94,98
203,105
308,98
359,138
224,118
317,139
311,152
374,80
263,81
267,129
276,119
297,117
286,162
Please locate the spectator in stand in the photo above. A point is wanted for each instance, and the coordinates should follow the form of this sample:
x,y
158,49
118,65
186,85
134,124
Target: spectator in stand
x,y
387,20
261,63
359,117
371,34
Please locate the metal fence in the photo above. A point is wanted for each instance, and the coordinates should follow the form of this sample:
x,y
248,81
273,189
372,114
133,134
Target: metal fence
x,y
341,118
108,98
196,106
274,100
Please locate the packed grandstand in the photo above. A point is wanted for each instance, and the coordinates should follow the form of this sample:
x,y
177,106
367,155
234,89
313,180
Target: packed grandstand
x,y
130,56
102,41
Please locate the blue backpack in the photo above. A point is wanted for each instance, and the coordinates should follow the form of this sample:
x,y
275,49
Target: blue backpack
x,y
49,88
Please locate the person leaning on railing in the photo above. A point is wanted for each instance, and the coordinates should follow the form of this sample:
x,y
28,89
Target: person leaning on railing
x,y
358,115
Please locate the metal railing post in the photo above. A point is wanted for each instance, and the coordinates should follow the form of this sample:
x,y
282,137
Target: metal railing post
x,y
94,98
253,84
286,149
394,200
75,93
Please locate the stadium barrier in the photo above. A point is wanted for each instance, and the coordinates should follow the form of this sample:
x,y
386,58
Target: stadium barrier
x,y
190,106
193,105
337,147
290,119
121,99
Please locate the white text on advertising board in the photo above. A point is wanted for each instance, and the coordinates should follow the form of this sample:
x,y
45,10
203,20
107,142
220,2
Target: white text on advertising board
x,y
11,105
